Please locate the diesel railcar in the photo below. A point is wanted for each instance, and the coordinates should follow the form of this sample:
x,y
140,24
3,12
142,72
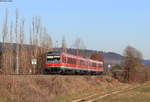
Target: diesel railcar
x,y
64,63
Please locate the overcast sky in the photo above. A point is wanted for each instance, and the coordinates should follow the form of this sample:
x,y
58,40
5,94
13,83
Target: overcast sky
x,y
107,25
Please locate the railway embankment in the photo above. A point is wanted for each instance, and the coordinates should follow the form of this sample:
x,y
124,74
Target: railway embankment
x,y
46,88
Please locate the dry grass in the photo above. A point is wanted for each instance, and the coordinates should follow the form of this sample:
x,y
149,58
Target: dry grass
x,y
40,88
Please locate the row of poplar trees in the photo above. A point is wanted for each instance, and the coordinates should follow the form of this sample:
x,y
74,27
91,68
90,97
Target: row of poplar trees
x,y
20,45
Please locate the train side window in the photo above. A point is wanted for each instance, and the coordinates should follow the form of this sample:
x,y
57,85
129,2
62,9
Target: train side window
x,y
90,64
82,62
99,65
93,64
71,61
86,63
68,61
74,61
64,59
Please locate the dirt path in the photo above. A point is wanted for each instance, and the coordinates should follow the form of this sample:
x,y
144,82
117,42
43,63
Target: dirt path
x,y
95,97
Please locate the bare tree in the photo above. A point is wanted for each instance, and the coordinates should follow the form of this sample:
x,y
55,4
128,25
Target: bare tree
x,y
34,39
132,62
5,40
5,28
40,41
11,49
64,44
21,45
19,57
17,46
47,40
78,45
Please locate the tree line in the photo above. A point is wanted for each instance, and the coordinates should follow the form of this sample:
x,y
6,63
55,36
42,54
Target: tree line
x,y
20,45
16,51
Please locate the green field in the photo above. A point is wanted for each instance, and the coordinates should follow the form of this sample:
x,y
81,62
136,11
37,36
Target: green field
x,y
82,94
139,94
4,99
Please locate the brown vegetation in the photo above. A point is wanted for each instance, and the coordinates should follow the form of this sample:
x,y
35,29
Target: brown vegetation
x,y
132,63
97,56
45,88
132,70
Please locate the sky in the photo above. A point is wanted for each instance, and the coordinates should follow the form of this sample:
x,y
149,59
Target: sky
x,y
105,25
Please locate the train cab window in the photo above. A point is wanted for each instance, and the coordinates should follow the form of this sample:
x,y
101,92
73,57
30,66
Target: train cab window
x,y
49,58
53,59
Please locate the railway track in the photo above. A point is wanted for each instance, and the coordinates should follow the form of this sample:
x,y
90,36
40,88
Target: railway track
x,y
96,97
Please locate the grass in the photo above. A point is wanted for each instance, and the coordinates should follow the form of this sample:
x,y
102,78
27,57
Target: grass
x,y
85,93
144,90
140,94
135,98
76,95
5,99
126,98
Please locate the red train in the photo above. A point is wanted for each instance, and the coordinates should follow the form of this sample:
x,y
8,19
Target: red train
x,y
62,63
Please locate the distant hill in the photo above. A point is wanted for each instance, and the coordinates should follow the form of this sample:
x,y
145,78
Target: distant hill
x,y
146,62
109,57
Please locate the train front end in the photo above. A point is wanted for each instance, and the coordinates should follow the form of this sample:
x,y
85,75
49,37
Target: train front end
x,y
53,62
